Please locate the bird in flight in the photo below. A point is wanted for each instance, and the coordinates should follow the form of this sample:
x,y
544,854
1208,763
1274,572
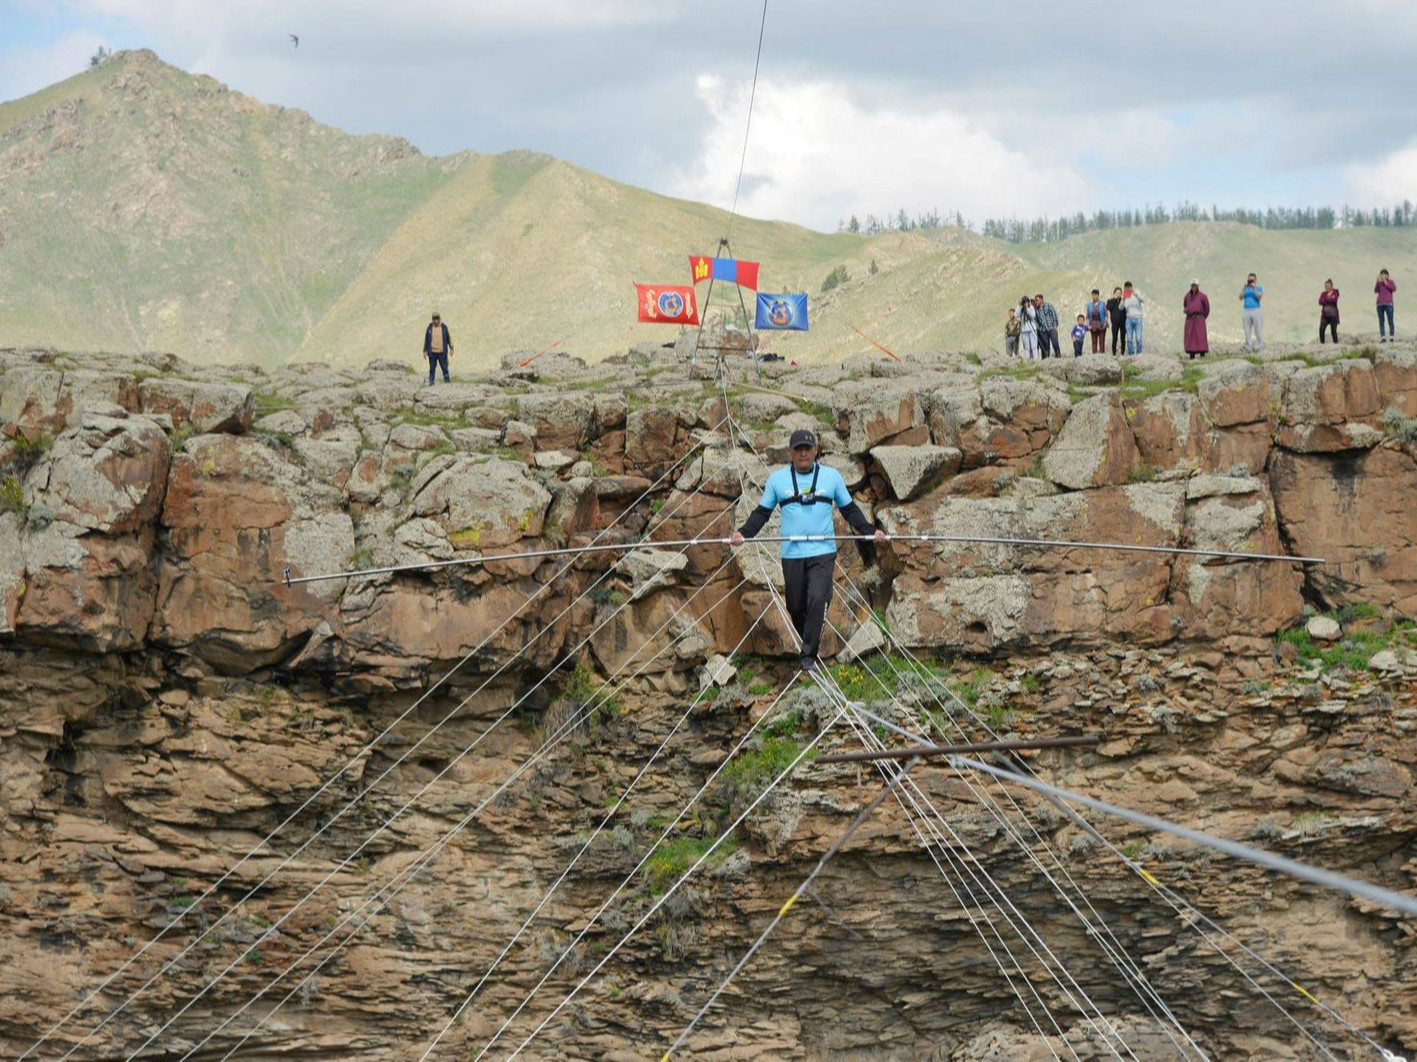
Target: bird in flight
x,y
294,38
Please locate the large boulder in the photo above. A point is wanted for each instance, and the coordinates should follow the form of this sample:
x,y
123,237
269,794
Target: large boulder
x,y
879,414
85,550
1219,597
1169,429
1095,447
981,596
1330,408
1355,511
1234,393
206,407
910,471
238,513
484,502
1395,372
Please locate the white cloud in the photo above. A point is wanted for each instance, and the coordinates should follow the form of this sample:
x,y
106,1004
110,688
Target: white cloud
x,y
816,155
432,18
1391,181
26,70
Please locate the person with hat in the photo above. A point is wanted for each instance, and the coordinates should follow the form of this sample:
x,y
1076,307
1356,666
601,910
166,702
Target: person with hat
x,y
437,345
1196,306
805,491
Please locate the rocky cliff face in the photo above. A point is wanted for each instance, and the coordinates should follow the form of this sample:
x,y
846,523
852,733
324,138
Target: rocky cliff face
x,y
168,700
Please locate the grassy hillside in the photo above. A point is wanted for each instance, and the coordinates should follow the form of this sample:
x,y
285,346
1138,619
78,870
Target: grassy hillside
x,y
144,208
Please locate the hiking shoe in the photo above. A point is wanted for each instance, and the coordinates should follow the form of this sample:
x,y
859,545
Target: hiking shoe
x,y
808,663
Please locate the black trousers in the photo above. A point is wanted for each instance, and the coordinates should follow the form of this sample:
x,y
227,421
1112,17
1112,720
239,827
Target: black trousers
x,y
1331,325
1119,335
809,591
1048,339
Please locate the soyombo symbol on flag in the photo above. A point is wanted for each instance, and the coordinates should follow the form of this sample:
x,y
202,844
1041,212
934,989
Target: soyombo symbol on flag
x,y
744,274
666,304
781,312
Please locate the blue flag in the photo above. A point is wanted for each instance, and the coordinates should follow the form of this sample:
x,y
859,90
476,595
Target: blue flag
x,y
781,312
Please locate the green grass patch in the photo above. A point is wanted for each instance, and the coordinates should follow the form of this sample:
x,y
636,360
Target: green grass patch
x,y
755,770
672,859
1398,426
266,404
1354,649
12,495
969,690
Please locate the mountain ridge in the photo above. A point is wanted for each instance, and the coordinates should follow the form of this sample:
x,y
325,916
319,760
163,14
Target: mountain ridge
x,y
200,220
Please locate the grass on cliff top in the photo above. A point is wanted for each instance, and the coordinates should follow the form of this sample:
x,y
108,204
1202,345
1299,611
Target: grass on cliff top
x,y
1357,646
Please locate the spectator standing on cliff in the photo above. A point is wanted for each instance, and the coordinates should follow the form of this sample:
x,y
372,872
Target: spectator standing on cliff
x,y
1028,328
1252,312
1328,311
1012,327
1118,318
437,345
1132,303
1196,306
1079,334
1095,313
1047,327
805,491
1384,289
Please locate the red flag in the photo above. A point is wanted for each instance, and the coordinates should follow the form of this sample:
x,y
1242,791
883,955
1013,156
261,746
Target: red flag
x,y
734,270
666,304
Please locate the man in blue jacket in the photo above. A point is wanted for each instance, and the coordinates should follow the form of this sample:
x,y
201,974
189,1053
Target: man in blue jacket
x,y
437,345
806,491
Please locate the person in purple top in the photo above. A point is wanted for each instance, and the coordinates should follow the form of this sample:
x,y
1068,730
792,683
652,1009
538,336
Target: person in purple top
x,y
1384,288
1328,311
1196,306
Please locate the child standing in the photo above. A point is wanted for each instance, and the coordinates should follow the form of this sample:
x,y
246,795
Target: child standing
x,y
1012,328
1079,334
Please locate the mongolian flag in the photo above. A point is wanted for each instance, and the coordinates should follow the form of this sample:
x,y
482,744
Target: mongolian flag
x,y
781,312
744,274
666,304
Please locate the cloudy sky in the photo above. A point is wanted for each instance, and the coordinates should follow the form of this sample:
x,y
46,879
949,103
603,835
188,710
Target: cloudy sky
x,y
991,109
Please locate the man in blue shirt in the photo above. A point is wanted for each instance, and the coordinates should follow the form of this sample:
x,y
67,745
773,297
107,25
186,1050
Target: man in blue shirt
x,y
806,491
1251,313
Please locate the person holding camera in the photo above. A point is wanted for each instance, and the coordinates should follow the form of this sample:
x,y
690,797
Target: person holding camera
x,y
1251,313
1384,289
1118,317
1028,328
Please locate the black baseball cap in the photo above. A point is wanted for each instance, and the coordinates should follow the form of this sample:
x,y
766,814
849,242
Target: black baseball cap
x,y
801,437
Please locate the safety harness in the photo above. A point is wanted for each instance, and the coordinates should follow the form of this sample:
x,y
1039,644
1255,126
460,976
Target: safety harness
x,y
810,498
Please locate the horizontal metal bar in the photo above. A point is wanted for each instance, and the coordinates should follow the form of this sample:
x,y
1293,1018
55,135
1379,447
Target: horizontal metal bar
x,y
687,542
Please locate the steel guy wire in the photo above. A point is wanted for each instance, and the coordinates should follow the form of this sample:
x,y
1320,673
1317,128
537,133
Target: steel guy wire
x,y
609,815
896,773
654,908
1104,936
1394,901
968,865
597,700
605,905
713,776
364,751
390,821
916,790
1173,901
